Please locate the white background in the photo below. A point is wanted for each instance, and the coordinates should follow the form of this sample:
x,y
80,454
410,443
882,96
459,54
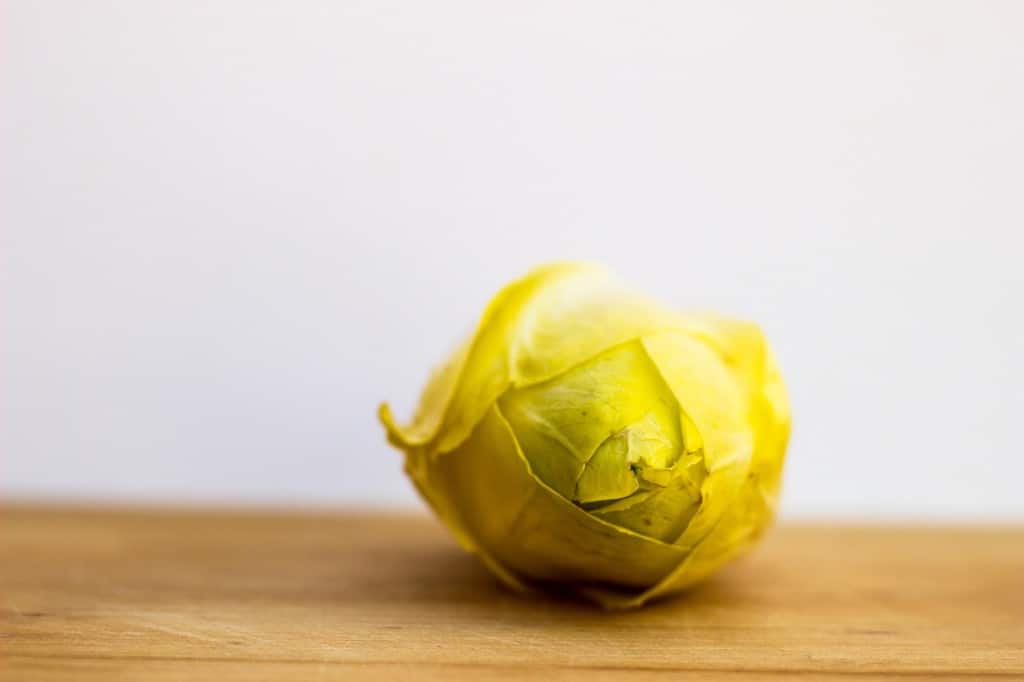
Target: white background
x,y
230,228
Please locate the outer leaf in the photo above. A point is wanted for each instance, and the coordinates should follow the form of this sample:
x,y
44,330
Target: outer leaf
x,y
589,431
519,524
459,393
556,317
739,504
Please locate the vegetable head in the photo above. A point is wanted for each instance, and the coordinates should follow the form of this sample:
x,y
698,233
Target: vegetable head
x,y
586,436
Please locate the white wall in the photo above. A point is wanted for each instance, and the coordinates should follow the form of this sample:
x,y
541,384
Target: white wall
x,y
230,228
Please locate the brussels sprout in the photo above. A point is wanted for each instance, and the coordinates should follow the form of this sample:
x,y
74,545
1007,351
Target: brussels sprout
x,y
587,436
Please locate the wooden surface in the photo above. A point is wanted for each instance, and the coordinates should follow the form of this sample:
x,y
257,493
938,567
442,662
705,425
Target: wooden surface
x,y
164,595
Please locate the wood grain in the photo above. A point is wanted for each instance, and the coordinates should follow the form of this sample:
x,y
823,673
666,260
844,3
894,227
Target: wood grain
x,y
93,594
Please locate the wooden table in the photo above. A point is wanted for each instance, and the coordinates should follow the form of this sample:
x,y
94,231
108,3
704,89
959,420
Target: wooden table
x,y
92,594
